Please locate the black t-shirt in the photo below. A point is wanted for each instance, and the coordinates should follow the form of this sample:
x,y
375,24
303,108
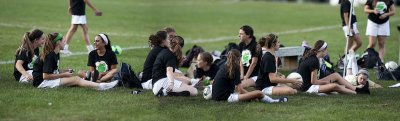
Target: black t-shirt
x,y
375,17
28,62
164,59
78,7
210,73
223,87
306,67
148,64
267,65
48,65
109,58
249,51
345,7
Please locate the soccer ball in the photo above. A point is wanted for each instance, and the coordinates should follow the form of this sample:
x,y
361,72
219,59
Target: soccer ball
x,y
293,75
207,92
116,49
391,65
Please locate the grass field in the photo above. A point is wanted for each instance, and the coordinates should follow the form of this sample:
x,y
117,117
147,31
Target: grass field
x,y
208,23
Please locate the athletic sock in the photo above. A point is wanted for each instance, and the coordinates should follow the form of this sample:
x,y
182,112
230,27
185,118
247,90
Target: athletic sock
x,y
267,99
66,47
106,86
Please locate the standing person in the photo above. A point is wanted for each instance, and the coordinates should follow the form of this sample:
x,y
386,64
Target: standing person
x,y
163,77
46,73
102,61
76,9
354,38
268,79
248,48
378,22
27,54
309,67
227,81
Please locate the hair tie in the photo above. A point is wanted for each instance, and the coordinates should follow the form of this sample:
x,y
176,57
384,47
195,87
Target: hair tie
x,y
104,37
323,46
58,38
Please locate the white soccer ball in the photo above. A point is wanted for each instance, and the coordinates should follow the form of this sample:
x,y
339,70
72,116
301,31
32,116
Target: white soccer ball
x,y
293,75
207,92
391,65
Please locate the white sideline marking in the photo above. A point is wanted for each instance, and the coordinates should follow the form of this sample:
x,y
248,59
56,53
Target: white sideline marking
x,y
218,39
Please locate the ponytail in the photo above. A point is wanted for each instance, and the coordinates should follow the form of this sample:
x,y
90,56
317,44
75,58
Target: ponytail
x,y
318,46
233,62
27,42
176,49
49,44
157,39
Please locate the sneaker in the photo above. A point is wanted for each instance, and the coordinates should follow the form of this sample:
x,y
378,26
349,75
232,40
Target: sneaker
x,y
283,99
106,86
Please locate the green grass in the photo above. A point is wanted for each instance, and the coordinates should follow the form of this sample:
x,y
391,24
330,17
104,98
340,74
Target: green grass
x,y
130,22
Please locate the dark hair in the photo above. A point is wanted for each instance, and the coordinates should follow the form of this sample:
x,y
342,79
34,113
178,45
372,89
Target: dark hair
x,y
156,39
248,31
176,49
48,45
108,45
269,40
233,62
207,57
169,29
314,50
27,41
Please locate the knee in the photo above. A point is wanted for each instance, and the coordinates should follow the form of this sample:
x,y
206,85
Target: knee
x,y
292,91
193,92
82,74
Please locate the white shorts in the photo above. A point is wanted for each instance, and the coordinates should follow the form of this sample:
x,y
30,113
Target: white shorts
x,y
24,79
268,90
78,19
355,29
254,78
147,85
374,29
163,83
313,89
50,83
234,97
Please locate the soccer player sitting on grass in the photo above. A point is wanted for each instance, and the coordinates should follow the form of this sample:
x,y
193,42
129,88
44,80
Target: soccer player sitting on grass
x,y
102,61
26,55
163,77
47,75
227,81
249,60
268,80
309,68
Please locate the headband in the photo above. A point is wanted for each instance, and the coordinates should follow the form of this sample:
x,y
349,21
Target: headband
x,y
323,46
104,37
58,38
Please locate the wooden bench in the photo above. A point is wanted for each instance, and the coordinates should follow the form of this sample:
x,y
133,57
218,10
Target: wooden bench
x,y
290,57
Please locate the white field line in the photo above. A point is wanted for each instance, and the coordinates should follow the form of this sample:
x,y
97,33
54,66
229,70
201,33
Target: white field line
x,y
218,39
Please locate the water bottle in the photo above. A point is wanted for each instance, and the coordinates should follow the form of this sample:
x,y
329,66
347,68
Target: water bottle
x,y
206,81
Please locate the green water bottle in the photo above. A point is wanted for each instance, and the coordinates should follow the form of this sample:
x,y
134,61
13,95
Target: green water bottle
x,y
206,81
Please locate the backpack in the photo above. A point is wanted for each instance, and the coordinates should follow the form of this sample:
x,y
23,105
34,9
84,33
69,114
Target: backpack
x,y
384,74
370,59
127,77
229,47
326,69
190,54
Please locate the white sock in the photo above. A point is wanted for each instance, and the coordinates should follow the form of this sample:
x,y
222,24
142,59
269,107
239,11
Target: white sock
x,y
147,85
268,99
194,81
66,47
